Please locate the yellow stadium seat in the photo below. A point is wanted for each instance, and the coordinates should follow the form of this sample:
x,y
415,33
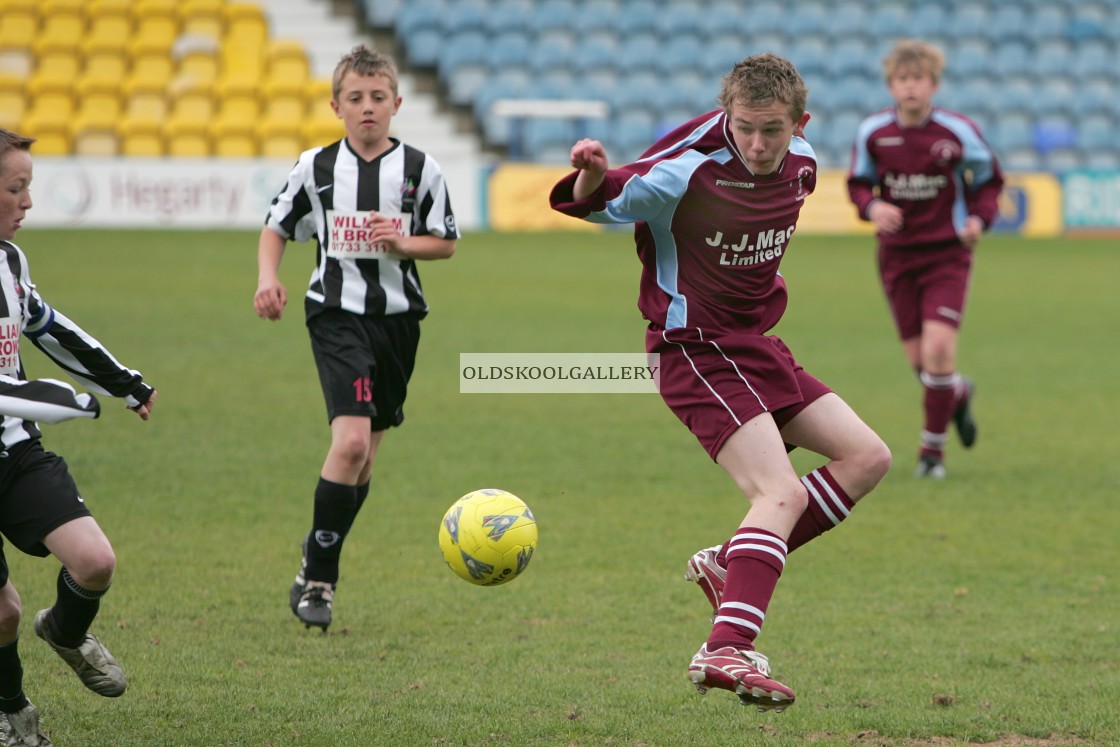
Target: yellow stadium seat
x,y
192,100
62,24
145,98
246,25
287,60
203,17
322,131
150,57
280,138
105,63
50,130
234,137
50,96
99,94
13,103
94,132
197,63
187,138
141,137
156,21
317,96
110,23
245,62
237,98
18,32
284,99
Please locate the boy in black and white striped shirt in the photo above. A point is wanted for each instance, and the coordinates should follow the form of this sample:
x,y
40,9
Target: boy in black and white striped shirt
x,y
374,206
41,511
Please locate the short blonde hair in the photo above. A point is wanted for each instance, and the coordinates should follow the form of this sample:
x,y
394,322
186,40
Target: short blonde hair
x,y
364,61
763,79
914,54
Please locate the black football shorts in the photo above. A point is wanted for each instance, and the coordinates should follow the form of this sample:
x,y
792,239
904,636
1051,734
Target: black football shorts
x,y
364,363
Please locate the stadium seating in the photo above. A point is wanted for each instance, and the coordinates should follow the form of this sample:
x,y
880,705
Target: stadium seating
x,y
153,77
1010,66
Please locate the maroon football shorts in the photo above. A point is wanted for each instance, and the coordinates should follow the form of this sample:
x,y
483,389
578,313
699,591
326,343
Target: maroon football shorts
x,y
925,284
717,382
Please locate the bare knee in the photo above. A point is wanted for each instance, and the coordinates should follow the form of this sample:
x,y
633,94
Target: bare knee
x,y
10,612
93,568
352,449
872,462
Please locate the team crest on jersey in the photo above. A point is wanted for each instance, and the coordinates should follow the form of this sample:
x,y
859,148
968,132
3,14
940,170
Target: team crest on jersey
x,y
945,151
408,195
803,173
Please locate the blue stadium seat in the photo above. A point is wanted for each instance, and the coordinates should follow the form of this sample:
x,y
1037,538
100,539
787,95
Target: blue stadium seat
x,y
510,49
1008,24
765,17
465,15
422,47
971,57
382,13
811,18
637,17
544,138
1052,57
1013,131
1095,58
678,20
930,20
551,53
1015,95
890,21
1054,96
1097,133
597,15
849,20
595,51
722,18
850,57
418,15
1054,132
722,54
510,16
1011,57
1047,21
553,14
810,54
639,52
969,22
633,132
681,53
1096,98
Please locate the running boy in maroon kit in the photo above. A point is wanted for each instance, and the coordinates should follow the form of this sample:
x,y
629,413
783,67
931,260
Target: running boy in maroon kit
x,y
714,204
930,183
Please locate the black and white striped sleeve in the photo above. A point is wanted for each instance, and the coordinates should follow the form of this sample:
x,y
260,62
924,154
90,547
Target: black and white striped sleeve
x,y
80,355
291,214
44,401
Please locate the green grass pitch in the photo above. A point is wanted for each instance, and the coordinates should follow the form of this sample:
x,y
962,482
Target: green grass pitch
x,y
983,609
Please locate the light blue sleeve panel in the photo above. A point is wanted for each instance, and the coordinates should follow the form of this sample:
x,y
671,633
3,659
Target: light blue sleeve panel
x,y
863,167
978,156
653,194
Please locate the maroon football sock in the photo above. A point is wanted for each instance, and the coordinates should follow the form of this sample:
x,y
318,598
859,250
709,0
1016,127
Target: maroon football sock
x,y
939,402
755,558
828,506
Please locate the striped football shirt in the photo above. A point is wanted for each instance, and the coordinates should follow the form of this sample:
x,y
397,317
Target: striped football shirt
x,y
330,192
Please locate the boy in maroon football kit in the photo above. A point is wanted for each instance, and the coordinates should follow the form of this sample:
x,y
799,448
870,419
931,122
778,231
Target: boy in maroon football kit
x,y
714,204
929,182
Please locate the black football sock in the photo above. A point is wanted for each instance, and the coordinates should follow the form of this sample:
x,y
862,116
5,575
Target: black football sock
x,y
12,698
73,611
362,492
334,513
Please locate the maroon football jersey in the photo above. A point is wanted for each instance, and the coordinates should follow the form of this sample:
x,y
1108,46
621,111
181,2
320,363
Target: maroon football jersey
x,y
710,234
939,173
